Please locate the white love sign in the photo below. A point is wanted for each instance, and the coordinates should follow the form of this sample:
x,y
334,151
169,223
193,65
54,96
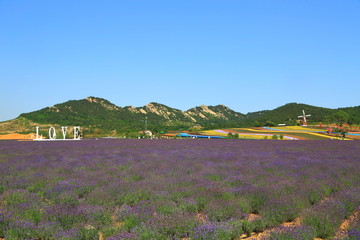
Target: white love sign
x,y
52,133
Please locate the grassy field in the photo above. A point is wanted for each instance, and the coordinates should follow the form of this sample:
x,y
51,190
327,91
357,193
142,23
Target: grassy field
x,y
179,189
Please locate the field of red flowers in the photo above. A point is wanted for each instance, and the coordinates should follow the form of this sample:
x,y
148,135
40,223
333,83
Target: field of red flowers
x,y
179,189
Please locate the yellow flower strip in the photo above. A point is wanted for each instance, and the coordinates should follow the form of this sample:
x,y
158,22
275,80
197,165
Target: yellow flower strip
x,y
326,136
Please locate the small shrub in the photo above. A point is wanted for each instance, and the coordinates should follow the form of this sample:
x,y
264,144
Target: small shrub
x,y
70,199
228,196
2,189
36,187
190,207
88,234
257,201
230,230
247,227
314,197
101,218
166,209
201,203
15,198
84,191
326,218
254,226
245,205
131,222
328,190
205,232
109,230
134,178
220,213
146,234
258,225
132,198
277,213
20,230
215,177
34,215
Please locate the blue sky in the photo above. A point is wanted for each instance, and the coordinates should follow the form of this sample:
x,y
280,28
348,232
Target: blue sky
x,y
250,55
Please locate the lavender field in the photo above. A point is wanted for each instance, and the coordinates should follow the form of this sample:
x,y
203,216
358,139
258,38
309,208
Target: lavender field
x,y
179,189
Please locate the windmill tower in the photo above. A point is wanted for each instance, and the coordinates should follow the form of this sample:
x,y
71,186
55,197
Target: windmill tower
x,y
303,117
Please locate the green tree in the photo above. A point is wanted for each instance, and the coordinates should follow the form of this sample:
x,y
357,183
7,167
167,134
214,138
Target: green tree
x,y
340,117
269,123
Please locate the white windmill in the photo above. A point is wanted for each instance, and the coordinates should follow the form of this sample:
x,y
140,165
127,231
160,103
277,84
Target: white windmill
x,y
303,116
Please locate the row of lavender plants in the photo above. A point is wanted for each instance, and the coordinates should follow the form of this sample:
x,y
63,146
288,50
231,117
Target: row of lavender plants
x,y
173,189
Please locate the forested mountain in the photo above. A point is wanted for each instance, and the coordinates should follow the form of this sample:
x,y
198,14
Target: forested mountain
x,y
95,113
99,113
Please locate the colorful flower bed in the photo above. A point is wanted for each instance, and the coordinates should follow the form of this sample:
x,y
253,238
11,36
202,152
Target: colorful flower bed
x,y
173,189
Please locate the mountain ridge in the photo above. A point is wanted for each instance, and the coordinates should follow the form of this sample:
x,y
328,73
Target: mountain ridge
x,y
99,113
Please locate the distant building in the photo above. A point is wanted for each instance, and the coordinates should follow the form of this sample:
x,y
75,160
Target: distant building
x,y
146,133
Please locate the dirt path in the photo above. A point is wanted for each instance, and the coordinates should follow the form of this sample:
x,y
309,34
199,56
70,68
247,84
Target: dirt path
x,y
14,136
344,227
266,233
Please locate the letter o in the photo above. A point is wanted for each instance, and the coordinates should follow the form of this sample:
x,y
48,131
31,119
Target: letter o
x,y
52,133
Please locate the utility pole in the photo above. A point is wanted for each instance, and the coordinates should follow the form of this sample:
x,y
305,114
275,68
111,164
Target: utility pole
x,y
145,123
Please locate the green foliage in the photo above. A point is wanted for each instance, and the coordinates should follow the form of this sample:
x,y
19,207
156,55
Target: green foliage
x,y
2,189
146,234
247,227
274,137
340,117
278,213
323,227
201,203
215,177
68,221
245,204
83,191
325,222
88,234
15,198
314,197
269,123
233,136
166,209
233,231
253,226
132,198
188,207
16,233
131,222
34,215
70,199
328,190
221,213
102,218
252,203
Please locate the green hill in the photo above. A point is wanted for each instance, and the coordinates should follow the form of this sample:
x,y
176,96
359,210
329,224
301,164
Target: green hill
x,y
98,115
